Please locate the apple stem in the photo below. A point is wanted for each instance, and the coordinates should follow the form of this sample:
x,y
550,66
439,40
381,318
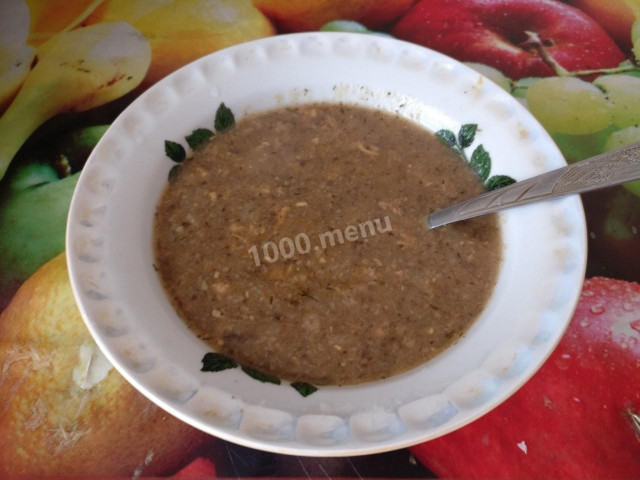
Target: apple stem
x,y
534,41
61,165
622,69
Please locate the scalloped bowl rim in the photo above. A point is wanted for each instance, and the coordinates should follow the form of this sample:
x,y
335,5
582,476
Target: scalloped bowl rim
x,y
122,303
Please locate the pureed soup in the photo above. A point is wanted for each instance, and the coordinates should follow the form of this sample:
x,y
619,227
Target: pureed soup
x,y
295,243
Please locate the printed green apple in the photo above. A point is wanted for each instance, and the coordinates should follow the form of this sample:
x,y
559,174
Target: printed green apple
x,y
34,205
32,222
77,145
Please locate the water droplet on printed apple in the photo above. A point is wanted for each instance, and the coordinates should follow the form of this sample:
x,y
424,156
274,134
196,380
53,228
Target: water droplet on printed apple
x,y
561,365
597,309
635,325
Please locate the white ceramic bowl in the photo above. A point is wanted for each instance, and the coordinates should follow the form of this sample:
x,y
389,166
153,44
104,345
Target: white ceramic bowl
x,y
110,256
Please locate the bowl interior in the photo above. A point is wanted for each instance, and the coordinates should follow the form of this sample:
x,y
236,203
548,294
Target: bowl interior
x,y
111,260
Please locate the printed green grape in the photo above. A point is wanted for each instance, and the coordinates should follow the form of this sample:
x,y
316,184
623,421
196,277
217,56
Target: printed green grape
x,y
521,87
623,92
568,105
620,139
348,26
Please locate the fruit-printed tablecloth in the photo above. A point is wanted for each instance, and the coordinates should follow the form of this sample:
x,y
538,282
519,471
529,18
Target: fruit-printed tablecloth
x,y
69,67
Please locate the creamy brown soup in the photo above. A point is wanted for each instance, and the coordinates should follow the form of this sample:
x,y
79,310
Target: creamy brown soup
x,y
388,297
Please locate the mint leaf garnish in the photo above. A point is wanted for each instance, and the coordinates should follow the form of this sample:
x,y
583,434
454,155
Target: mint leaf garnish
x,y
174,151
216,362
262,377
198,137
173,173
304,389
447,137
224,118
467,134
499,181
481,162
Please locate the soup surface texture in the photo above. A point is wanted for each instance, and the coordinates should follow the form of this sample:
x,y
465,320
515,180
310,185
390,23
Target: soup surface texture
x,y
353,287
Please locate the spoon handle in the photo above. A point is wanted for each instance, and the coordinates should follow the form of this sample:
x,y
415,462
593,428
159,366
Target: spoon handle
x,y
611,168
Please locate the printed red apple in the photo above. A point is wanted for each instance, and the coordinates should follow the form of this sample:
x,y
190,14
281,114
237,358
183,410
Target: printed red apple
x,y
577,418
494,32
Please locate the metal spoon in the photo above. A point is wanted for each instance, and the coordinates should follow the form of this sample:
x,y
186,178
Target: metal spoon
x,y
606,170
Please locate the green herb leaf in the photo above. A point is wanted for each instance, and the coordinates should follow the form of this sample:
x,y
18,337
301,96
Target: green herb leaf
x,y
198,137
262,377
304,389
481,162
174,151
216,362
447,137
224,118
467,134
173,173
499,181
